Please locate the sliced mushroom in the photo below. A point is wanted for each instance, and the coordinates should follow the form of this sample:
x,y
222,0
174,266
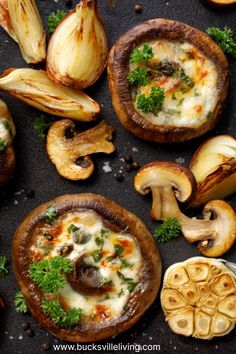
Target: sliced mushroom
x,y
214,167
71,156
85,278
7,153
170,182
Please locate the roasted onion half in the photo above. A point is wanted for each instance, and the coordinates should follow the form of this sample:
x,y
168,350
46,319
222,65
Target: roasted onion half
x,y
104,262
81,34
199,298
168,81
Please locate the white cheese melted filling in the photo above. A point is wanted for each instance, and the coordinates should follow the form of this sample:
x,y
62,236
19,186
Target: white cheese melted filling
x,y
181,109
6,131
111,304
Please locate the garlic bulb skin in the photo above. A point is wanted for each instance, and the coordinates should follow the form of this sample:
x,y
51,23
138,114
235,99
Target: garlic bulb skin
x,y
78,49
35,88
21,19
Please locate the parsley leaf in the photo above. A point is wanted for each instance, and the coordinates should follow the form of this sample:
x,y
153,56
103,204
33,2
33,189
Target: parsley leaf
x,y
97,255
2,145
139,77
41,124
66,319
141,54
54,18
49,273
224,38
129,281
50,214
153,102
125,264
3,268
118,250
20,303
170,229
72,228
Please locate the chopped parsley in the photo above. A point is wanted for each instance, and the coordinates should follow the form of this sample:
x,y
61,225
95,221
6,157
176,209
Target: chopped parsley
x,y
47,235
20,303
72,228
3,267
142,54
125,264
224,38
152,103
129,281
168,230
139,77
54,18
99,242
51,214
49,274
55,311
209,114
97,255
2,145
118,250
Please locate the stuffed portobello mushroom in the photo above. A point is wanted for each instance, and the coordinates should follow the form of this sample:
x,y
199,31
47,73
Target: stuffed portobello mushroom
x,y
88,268
168,81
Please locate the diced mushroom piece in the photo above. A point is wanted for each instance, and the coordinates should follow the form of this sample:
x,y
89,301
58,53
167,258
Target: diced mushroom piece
x,y
70,151
216,233
214,167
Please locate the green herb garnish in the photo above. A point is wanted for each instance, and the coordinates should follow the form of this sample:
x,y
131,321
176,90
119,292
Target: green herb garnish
x,y
168,230
99,242
3,267
209,114
97,255
72,228
66,319
118,250
139,77
20,303
48,274
41,124
54,18
2,145
153,102
141,54
51,214
129,281
224,38
125,264
47,235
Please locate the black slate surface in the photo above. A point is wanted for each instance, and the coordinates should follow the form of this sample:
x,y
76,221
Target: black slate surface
x,y
35,172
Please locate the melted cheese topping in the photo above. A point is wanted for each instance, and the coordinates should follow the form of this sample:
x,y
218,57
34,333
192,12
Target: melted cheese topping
x,y
188,107
6,131
101,307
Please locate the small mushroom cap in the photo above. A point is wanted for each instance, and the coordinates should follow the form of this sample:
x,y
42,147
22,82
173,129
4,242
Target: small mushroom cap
x,y
214,167
71,155
225,235
162,174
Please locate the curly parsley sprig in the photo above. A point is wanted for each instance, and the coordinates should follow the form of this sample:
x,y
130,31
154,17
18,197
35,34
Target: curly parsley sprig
x,y
168,230
152,103
141,54
224,38
66,319
20,303
3,267
49,274
54,18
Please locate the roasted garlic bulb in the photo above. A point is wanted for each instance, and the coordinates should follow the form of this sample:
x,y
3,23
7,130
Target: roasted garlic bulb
x,y
21,19
82,36
35,88
199,298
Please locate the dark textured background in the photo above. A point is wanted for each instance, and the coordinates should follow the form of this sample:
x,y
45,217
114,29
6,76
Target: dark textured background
x,y
35,172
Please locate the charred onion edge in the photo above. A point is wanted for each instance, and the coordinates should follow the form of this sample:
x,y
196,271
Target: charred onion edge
x,y
118,62
115,214
64,82
219,4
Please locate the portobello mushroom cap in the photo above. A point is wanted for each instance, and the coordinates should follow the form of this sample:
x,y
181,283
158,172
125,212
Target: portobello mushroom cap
x,y
121,91
112,214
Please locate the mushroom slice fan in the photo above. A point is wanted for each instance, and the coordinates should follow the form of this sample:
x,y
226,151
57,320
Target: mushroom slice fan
x,y
199,297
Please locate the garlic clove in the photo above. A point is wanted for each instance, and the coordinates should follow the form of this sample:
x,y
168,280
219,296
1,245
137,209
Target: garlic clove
x,y
21,19
82,35
35,88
